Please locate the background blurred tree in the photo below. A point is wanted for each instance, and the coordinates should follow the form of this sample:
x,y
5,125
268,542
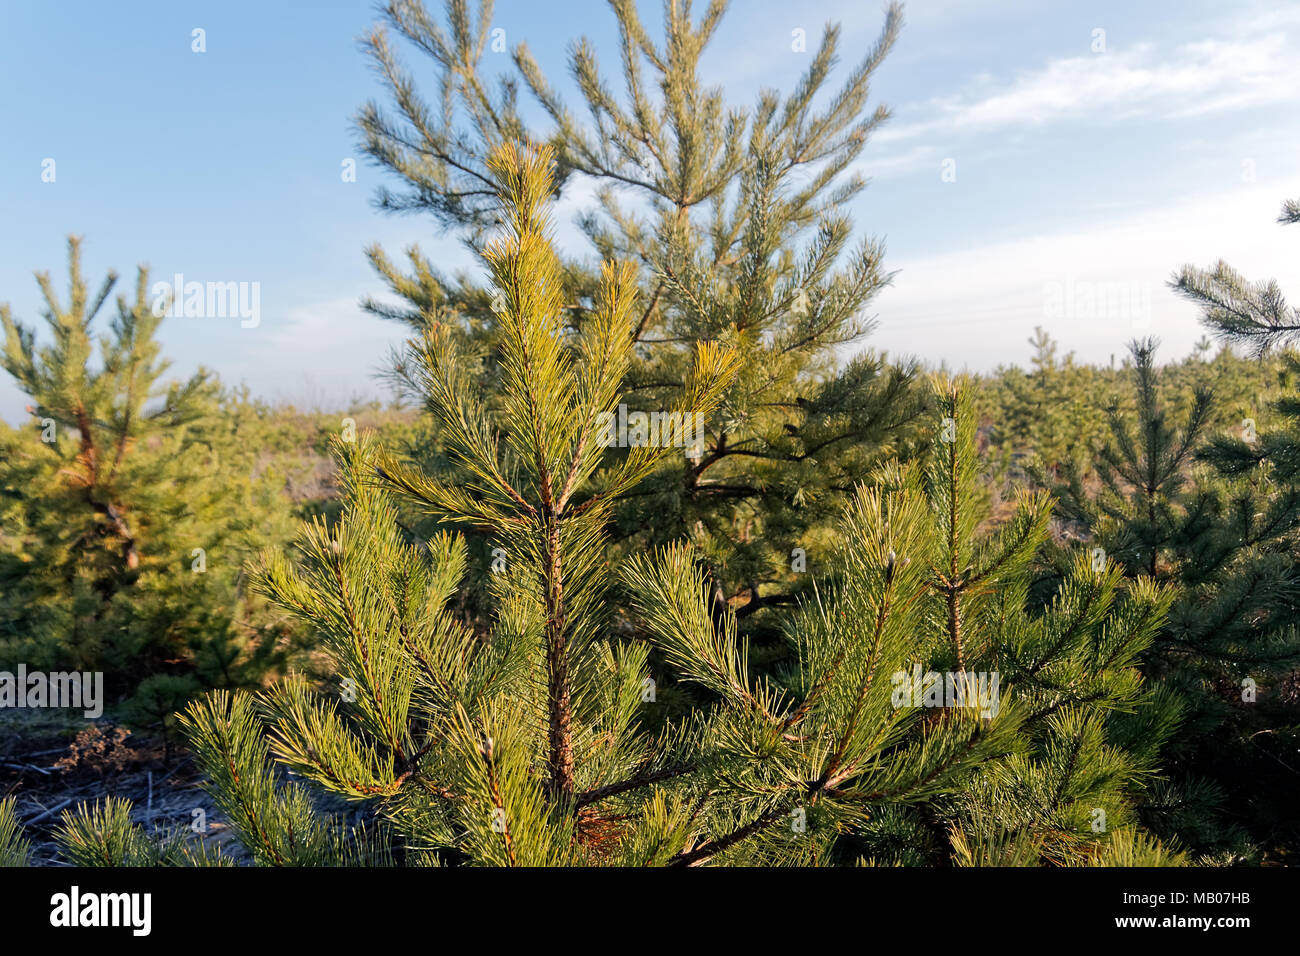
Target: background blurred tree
x,y
128,507
1040,419
1224,541
1262,454
1036,416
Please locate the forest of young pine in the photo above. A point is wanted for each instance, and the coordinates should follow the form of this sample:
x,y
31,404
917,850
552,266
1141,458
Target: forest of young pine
x,y
871,611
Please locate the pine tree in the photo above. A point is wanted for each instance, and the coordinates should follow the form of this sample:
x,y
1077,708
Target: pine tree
x,y
734,223
1143,470
1265,463
1254,315
128,506
14,850
1221,542
1036,416
1090,732
887,741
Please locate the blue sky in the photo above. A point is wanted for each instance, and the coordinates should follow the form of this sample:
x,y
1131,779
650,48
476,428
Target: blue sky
x,y
1079,175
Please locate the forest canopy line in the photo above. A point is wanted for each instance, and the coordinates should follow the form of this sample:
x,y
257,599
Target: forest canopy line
x,y
653,560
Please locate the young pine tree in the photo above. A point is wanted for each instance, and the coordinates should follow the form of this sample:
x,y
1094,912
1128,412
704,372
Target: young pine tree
x,y
1260,734
1089,730
733,222
1223,543
127,506
1040,416
1256,316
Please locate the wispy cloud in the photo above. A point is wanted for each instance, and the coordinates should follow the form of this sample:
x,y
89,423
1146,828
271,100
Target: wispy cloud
x,y
1252,64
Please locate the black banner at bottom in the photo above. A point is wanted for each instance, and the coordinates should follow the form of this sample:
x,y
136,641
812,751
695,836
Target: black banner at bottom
x,y
330,906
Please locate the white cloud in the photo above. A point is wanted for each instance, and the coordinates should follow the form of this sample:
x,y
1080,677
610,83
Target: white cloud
x,y
1251,65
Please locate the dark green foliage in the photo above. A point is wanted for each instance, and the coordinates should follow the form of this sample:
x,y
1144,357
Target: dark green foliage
x,y
1222,539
